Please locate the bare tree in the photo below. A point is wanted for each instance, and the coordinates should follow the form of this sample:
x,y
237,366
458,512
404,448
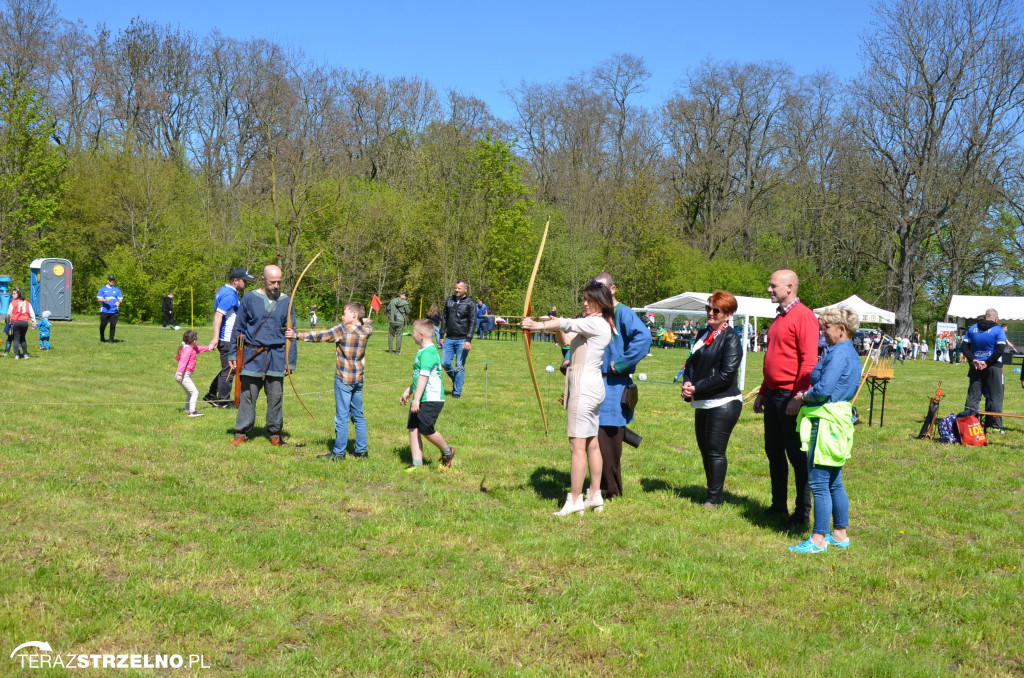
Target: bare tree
x,y
937,109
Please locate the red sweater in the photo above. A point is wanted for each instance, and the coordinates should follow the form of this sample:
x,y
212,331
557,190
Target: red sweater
x,y
792,351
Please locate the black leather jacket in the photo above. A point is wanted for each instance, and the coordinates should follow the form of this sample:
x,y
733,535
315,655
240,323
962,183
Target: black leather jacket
x,y
713,369
459,318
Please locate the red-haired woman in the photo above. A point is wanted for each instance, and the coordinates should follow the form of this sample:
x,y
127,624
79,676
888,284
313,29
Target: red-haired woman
x,y
588,337
709,384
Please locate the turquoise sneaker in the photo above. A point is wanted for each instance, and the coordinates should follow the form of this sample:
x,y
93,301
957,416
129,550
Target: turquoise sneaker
x,y
832,541
809,547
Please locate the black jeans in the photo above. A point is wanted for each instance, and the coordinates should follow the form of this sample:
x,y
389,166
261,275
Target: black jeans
x,y
220,387
168,318
989,383
781,441
714,427
105,319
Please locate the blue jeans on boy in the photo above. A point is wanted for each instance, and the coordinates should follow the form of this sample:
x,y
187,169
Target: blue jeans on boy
x,y
830,500
348,404
44,343
454,350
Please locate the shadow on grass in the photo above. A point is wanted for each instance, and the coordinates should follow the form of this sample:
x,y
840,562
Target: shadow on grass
x,y
752,511
549,483
404,454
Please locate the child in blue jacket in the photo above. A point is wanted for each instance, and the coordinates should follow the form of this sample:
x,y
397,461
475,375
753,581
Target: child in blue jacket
x,y
43,324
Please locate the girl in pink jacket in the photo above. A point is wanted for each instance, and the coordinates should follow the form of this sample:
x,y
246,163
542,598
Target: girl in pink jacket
x,y
186,357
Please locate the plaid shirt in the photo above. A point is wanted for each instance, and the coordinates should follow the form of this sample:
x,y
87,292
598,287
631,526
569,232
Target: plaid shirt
x,y
783,310
351,342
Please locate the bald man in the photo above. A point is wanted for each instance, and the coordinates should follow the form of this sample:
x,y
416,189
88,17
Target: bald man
x,y
261,319
791,355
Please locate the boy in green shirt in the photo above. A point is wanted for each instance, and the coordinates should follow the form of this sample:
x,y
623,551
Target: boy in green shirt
x,y
427,395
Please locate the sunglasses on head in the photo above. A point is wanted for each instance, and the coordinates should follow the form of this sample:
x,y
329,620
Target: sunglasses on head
x,y
716,311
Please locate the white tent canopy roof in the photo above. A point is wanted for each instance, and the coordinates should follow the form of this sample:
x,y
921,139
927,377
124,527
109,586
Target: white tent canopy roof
x,y
969,308
694,303
865,311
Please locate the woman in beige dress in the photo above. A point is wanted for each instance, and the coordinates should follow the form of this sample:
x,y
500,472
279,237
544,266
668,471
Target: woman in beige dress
x,y
588,337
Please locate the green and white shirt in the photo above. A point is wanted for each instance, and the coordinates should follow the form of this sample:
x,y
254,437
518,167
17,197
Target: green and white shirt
x,y
428,362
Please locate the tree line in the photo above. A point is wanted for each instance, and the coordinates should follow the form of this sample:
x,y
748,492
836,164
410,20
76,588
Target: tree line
x,y
167,158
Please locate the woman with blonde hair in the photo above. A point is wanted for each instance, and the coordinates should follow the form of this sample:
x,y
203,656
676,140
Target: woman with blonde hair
x,y
825,425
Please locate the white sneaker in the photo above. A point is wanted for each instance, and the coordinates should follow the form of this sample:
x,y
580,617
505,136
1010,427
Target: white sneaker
x,y
195,414
571,506
594,501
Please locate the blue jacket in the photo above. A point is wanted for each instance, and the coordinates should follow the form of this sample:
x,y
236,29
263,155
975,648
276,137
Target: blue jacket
x,y
630,344
837,376
264,333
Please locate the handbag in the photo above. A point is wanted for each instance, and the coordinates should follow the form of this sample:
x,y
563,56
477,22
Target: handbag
x,y
630,396
971,432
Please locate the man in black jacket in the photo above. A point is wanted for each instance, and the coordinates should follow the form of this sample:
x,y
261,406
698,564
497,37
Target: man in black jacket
x,y
168,310
458,322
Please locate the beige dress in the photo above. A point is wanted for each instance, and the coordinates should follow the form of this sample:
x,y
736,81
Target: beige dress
x,y
584,387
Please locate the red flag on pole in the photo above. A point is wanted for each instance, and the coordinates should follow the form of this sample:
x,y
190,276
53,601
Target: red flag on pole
x,y
375,303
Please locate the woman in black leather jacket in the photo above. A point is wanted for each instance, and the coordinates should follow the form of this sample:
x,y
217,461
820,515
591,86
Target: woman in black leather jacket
x,y
709,384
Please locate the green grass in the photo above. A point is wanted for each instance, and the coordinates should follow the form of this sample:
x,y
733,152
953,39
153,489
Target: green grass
x,y
127,527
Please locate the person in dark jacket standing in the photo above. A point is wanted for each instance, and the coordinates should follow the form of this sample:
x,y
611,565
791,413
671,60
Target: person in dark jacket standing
x,y
168,310
709,384
398,316
262,319
983,346
457,326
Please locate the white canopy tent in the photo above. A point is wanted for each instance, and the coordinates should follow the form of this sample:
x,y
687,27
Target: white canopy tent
x,y
865,311
969,308
693,303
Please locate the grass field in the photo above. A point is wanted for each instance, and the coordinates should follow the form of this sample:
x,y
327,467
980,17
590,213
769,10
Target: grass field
x,y
128,528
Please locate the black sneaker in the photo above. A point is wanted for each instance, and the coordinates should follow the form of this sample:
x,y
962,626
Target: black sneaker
x,y
360,455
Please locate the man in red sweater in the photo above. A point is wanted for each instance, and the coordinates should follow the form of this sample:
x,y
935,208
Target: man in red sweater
x,y
791,355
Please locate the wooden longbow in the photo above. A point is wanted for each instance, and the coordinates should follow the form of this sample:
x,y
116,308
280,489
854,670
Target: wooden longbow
x,y
288,342
526,333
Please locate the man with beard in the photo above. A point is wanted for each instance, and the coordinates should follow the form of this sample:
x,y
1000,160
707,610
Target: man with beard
x,y
262,319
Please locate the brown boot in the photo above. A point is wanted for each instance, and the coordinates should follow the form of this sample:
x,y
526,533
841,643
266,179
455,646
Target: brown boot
x,y
278,441
239,439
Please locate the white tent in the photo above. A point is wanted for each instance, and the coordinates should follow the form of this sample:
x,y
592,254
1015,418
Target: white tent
x,y
693,303
864,310
969,308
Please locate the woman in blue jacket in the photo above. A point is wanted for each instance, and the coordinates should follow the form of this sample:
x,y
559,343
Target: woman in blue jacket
x,y
825,424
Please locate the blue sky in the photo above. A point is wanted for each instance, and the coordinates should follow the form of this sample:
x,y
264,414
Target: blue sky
x,y
479,48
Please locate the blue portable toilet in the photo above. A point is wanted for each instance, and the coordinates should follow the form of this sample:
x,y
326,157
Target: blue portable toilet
x,y
5,294
50,288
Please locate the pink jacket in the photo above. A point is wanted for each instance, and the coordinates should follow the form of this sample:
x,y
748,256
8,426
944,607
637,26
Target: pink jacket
x,y
187,360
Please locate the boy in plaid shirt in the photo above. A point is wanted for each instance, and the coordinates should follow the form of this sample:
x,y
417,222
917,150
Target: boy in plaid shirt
x,y
350,338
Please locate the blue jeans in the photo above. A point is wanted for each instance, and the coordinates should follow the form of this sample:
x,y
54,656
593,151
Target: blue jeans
x,y
348,404
830,500
44,343
454,351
